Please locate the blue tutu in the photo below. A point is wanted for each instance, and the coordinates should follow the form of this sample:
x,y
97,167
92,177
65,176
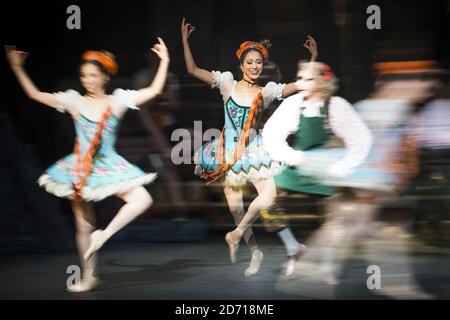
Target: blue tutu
x,y
373,173
110,173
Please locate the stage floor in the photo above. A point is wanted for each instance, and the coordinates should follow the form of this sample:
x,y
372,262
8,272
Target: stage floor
x,y
201,271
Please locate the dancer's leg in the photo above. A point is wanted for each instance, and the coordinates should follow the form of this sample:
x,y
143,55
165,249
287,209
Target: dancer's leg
x,y
235,201
138,200
346,218
84,225
266,195
294,249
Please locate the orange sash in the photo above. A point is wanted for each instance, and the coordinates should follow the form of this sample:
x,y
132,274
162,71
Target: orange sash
x,y
83,166
222,167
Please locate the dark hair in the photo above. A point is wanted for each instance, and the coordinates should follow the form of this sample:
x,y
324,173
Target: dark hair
x,y
266,43
244,54
98,65
108,68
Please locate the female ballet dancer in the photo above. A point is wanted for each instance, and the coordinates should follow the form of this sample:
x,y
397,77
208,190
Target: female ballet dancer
x,y
94,170
237,156
314,115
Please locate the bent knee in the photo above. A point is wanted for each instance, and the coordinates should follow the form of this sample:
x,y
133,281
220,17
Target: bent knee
x,y
146,200
142,198
138,197
266,201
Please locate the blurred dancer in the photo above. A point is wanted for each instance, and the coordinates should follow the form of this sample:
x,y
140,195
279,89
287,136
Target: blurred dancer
x,y
380,180
314,115
377,181
94,170
432,184
237,156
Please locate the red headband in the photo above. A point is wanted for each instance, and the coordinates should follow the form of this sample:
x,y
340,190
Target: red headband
x,y
105,60
251,44
326,72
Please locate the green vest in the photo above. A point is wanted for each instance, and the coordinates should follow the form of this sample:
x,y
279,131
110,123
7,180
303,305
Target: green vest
x,y
313,133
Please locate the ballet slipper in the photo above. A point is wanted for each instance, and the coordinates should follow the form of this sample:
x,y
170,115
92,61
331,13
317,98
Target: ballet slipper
x,y
292,260
97,240
233,245
88,282
255,263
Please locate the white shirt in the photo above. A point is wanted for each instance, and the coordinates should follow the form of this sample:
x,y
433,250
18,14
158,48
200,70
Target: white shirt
x,y
344,122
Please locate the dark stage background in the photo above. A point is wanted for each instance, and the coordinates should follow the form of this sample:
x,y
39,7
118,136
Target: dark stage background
x,y
32,137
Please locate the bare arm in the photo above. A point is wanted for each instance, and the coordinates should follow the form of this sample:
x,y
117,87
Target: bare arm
x,y
17,60
311,45
289,89
157,85
201,74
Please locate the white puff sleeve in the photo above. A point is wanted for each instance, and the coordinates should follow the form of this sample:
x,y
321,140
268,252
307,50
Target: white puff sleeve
x,y
224,81
283,122
68,101
272,91
348,125
122,100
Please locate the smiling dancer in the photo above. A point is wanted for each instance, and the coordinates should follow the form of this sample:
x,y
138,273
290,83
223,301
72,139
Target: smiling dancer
x,y
94,170
237,157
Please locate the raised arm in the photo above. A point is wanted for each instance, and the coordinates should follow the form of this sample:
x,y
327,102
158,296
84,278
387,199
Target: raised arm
x,y
201,74
157,85
17,60
311,45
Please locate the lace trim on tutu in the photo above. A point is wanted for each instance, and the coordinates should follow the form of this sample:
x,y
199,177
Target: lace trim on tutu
x,y
94,194
253,175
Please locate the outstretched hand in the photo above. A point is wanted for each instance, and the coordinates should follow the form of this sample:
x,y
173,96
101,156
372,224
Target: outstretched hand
x,y
16,58
311,45
186,29
161,50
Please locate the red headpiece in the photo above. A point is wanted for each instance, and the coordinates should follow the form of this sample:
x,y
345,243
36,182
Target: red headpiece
x,y
252,44
108,62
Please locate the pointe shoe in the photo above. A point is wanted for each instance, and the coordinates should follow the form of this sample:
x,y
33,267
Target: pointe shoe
x,y
292,260
86,284
255,263
233,246
97,241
